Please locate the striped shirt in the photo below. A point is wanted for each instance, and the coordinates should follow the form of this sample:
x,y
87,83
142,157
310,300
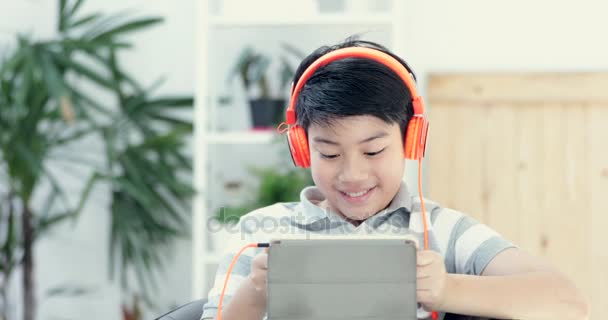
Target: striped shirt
x,y
466,245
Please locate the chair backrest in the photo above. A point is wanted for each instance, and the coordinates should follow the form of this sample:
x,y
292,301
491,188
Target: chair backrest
x,y
452,316
194,311
189,311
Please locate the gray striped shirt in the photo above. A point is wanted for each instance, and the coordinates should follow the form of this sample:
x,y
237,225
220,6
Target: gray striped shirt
x,y
466,245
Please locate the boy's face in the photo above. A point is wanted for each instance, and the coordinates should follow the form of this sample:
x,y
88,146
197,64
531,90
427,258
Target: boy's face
x,y
357,163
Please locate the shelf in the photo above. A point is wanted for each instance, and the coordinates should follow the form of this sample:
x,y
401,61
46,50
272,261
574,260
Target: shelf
x,y
240,19
241,137
321,19
212,257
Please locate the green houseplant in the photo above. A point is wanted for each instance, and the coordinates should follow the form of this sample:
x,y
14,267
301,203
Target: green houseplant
x,y
274,186
253,68
45,113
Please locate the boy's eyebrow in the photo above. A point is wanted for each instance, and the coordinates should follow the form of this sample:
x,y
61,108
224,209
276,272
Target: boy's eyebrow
x,y
375,136
323,140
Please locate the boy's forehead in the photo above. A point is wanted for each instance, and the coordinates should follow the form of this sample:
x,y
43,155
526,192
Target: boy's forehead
x,y
344,123
352,127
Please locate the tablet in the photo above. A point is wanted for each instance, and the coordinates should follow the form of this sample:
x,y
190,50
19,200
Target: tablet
x,y
342,278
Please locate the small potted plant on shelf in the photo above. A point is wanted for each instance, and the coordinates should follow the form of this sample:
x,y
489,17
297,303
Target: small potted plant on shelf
x,y
253,67
274,186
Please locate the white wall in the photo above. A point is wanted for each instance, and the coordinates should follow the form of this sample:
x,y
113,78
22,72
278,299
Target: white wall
x,y
519,35
30,16
77,255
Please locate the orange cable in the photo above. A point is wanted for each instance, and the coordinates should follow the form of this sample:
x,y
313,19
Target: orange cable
x,y
219,307
426,233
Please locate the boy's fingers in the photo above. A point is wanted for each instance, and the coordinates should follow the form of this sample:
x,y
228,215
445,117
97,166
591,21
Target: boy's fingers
x,y
260,261
423,259
422,285
264,259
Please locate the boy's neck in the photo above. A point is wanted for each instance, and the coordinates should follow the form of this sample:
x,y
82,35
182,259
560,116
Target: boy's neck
x,y
324,205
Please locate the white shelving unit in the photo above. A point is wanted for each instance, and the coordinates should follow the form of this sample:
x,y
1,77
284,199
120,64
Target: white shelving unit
x,y
325,19
393,22
241,137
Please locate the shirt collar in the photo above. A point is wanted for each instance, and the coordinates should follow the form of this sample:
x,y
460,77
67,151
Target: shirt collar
x,y
309,196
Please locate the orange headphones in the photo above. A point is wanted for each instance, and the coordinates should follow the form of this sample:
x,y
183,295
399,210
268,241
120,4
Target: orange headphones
x,y
417,128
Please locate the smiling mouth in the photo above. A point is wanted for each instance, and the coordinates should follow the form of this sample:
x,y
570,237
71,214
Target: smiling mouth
x,y
357,195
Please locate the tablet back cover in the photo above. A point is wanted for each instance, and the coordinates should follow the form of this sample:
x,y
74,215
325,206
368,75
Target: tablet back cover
x,y
342,279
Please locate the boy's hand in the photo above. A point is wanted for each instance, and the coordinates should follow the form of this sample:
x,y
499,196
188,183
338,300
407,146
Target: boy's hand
x,y
431,280
257,276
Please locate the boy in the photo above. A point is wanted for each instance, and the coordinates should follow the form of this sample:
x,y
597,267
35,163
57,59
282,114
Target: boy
x,y
355,114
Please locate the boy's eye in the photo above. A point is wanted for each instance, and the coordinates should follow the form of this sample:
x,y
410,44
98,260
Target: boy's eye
x,y
374,153
328,156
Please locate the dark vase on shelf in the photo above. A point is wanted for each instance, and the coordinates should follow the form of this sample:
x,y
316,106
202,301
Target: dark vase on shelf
x,y
266,113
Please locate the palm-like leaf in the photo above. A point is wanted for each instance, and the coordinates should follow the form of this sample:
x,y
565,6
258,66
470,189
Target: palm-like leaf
x,y
43,110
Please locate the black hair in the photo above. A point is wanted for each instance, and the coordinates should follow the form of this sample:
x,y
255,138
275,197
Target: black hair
x,y
353,87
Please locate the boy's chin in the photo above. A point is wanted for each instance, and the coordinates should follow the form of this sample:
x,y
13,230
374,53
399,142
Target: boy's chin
x,y
358,216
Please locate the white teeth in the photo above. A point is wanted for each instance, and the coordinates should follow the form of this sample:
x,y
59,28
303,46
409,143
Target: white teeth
x,y
358,194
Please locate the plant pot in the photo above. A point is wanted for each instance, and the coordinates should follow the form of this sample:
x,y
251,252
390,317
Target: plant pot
x,y
266,113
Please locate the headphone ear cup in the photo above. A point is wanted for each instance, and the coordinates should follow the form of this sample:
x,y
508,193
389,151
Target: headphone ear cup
x,y
298,145
415,138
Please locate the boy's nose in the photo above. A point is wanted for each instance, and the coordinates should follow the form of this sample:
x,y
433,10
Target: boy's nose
x,y
353,171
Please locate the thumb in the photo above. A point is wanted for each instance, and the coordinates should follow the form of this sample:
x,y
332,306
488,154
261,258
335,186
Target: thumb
x,y
423,258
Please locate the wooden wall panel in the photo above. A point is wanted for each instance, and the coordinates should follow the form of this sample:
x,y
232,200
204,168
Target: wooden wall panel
x,y
501,209
529,177
528,155
597,135
458,178
554,185
518,87
569,229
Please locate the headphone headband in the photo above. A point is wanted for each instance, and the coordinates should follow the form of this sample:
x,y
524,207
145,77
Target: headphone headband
x,y
355,52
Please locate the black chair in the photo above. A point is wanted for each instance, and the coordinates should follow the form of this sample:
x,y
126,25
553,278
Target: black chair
x,y
189,311
194,310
